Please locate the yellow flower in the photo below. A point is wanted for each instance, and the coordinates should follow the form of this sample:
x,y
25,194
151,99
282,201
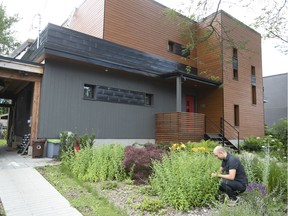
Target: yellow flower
x,y
183,146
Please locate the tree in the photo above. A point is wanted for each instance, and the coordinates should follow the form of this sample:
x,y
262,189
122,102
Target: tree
x,y
7,40
269,17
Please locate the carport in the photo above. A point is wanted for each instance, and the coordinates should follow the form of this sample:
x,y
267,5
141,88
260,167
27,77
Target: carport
x,y
20,82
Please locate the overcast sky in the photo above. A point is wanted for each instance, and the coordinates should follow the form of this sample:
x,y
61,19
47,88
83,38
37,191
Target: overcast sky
x,y
56,11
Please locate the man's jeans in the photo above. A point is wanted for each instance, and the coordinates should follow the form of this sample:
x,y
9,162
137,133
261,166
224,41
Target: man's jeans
x,y
231,188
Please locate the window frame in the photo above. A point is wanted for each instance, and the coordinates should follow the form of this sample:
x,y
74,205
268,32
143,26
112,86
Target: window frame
x,y
178,49
236,115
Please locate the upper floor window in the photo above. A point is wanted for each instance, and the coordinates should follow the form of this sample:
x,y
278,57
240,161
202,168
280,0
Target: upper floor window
x,y
253,75
235,64
178,49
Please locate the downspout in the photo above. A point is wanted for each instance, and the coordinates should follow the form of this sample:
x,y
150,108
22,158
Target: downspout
x,y
178,94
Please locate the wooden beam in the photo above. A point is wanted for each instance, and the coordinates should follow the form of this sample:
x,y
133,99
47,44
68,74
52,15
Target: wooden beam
x,y
35,110
21,66
13,74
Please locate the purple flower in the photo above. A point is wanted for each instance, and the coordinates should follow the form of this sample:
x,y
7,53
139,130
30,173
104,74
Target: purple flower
x,y
256,186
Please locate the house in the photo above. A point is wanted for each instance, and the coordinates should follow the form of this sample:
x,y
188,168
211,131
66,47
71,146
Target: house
x,y
122,75
275,95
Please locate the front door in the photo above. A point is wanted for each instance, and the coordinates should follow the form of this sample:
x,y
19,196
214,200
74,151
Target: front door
x,y
189,103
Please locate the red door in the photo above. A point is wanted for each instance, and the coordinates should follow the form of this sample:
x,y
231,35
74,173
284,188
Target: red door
x,y
189,103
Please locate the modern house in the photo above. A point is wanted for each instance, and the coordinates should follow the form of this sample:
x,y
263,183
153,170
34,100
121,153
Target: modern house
x,y
123,75
275,96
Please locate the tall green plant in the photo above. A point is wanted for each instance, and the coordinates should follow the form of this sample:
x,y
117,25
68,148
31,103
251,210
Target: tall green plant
x,y
184,180
106,164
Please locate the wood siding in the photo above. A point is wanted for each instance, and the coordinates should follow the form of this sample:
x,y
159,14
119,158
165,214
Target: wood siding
x,y
88,18
179,127
139,24
239,92
209,54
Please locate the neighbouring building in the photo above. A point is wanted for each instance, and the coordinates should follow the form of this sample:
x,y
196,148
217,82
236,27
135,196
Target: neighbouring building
x,y
116,68
275,96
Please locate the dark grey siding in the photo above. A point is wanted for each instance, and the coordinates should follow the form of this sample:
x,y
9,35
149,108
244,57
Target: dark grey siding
x,y
23,111
275,92
63,107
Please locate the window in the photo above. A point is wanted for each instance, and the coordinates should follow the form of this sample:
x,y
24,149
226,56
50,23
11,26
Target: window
x,y
148,99
235,64
253,75
178,49
115,95
254,99
89,91
235,74
236,116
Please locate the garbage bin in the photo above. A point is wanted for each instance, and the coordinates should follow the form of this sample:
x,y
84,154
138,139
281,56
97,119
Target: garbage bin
x,y
38,148
53,147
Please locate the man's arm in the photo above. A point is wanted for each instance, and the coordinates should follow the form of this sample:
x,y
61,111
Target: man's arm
x,y
230,176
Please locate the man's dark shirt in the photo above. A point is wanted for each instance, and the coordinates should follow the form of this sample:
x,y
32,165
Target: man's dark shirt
x,y
232,162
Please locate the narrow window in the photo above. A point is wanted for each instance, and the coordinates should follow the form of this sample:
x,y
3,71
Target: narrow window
x,y
235,64
236,115
254,99
235,74
89,91
253,75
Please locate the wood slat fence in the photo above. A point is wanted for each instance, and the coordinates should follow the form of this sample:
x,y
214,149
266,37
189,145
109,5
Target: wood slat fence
x,y
179,127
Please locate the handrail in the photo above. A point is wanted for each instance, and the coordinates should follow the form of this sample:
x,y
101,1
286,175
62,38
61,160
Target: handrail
x,y
235,132
224,130
213,124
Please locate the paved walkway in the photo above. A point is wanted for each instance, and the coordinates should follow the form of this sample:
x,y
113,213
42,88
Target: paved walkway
x,y
24,192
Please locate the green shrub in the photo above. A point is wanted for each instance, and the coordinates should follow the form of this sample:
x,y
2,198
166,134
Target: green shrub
x,y
268,170
279,130
252,144
106,163
183,179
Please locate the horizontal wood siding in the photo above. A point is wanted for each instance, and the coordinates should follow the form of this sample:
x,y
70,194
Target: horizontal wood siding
x,y
210,103
88,18
239,92
209,54
179,127
142,25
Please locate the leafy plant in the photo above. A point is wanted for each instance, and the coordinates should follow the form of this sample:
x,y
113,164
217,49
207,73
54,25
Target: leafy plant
x,y
150,204
183,179
106,163
138,161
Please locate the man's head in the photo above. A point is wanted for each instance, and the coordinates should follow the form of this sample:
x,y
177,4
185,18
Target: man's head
x,y
220,152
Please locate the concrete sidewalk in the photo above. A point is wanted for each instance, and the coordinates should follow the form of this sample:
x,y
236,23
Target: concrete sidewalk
x,y
24,192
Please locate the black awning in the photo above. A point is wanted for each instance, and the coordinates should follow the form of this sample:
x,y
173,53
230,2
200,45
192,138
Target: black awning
x,y
192,77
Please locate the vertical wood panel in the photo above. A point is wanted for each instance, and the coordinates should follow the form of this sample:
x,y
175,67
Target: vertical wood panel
x,y
35,110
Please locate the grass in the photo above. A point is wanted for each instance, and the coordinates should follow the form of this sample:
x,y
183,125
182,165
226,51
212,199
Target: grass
x,y
3,142
81,195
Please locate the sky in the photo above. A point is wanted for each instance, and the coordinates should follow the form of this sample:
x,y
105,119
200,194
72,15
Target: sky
x,y
57,11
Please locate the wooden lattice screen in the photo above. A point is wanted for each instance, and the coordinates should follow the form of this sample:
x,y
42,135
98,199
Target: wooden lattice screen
x,y
179,127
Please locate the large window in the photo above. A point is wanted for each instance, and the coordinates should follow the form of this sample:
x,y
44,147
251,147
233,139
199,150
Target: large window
x,y
178,49
116,95
236,116
235,64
